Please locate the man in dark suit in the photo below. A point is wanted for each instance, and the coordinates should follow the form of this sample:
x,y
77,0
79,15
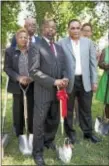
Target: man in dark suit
x,y
31,27
46,67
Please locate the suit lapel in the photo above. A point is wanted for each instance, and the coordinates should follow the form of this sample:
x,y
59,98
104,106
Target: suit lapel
x,y
47,47
16,55
69,46
81,49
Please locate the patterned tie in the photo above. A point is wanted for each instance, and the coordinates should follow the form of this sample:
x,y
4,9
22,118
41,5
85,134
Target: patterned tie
x,y
30,40
52,47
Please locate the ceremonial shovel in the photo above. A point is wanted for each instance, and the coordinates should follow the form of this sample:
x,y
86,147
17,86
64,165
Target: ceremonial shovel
x,y
5,136
25,140
64,152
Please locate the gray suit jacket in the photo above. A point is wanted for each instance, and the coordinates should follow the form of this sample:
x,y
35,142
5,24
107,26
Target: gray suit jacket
x,y
45,68
88,62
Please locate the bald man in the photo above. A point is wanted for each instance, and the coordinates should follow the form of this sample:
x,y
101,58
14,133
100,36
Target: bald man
x,y
31,27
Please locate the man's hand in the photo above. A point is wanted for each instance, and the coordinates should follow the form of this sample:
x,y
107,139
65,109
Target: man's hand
x,y
66,81
94,87
61,83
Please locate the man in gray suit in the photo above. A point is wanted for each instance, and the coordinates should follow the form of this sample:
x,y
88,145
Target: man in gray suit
x,y
82,70
46,66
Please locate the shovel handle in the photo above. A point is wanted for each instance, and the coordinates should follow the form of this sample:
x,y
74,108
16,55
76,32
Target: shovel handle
x,y
61,119
25,113
25,106
5,104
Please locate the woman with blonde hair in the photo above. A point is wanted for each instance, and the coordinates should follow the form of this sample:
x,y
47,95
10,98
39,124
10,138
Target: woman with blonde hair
x,y
16,67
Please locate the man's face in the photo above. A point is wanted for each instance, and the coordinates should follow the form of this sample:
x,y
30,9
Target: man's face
x,y
49,30
22,39
87,31
31,27
74,30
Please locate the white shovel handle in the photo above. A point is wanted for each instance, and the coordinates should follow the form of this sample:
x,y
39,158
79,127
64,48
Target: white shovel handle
x,y
25,106
61,119
5,103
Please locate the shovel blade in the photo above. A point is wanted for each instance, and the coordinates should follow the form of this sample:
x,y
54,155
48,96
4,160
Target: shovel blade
x,y
5,140
4,143
23,145
30,142
65,154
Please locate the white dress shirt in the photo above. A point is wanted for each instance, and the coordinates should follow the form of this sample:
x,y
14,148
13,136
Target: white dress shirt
x,y
32,39
76,52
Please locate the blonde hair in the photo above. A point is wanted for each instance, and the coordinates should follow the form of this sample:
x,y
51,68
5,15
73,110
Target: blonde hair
x,y
20,31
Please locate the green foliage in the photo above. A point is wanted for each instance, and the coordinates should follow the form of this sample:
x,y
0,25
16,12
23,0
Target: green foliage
x,y
84,152
63,11
43,10
9,12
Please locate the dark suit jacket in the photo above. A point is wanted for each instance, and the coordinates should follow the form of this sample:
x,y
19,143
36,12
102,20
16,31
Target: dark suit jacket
x,y
13,42
45,68
12,70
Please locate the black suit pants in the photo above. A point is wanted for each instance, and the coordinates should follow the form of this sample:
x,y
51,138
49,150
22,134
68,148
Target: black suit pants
x,y
45,124
85,102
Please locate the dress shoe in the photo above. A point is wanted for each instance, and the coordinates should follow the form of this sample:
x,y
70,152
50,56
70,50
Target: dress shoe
x,y
51,146
72,137
92,138
38,158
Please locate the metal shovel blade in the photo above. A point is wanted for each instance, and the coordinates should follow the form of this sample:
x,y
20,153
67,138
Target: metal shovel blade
x,y
65,152
23,145
5,139
4,142
30,142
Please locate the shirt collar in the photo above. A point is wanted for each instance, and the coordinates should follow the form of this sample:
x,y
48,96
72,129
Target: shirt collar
x,y
17,49
47,40
75,42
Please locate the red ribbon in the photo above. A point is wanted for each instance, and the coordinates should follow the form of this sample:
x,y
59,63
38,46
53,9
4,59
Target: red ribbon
x,y
63,96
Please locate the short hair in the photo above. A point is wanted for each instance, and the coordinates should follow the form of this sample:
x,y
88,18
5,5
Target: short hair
x,y
87,24
28,19
73,20
20,31
46,21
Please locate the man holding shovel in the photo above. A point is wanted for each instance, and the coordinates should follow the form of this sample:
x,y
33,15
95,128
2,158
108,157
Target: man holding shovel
x,y
16,67
46,67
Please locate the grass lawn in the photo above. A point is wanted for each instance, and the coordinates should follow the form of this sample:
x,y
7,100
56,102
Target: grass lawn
x,y
84,153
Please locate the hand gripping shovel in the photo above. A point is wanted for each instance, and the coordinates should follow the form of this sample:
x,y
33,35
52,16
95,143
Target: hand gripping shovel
x,y
64,152
25,141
